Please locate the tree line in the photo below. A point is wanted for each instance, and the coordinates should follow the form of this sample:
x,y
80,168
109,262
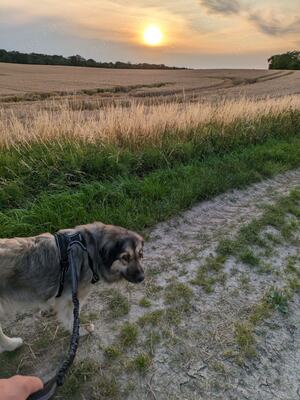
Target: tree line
x,y
77,61
289,60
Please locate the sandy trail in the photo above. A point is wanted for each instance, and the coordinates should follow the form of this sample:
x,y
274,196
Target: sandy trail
x,y
193,358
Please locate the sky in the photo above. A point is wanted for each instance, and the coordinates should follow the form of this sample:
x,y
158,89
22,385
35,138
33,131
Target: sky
x,y
195,33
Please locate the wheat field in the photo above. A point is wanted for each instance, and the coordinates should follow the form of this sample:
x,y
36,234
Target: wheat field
x,y
136,125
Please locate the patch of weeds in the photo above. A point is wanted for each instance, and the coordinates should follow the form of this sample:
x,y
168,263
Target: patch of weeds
x,y
173,315
188,255
219,367
245,282
274,299
152,289
128,334
152,340
210,273
152,318
251,234
112,352
289,228
129,388
273,238
141,363
43,341
206,282
294,284
182,272
178,293
118,304
156,270
291,266
145,303
245,339
106,387
266,268
278,299
260,311
81,373
227,247
11,361
248,257
293,271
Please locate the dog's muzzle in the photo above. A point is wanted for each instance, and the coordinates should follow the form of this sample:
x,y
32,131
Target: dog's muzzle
x,y
137,278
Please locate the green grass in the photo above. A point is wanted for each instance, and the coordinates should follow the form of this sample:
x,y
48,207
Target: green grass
x,y
137,201
252,234
129,334
152,318
29,171
81,372
141,363
177,293
210,273
145,303
274,300
118,304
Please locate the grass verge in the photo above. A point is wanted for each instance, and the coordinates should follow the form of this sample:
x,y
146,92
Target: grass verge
x,y
139,202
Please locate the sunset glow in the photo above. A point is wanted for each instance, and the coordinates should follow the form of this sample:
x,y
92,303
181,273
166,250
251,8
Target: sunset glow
x,y
153,36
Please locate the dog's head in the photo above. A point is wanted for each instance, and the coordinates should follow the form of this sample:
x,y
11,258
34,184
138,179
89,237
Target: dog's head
x,y
118,253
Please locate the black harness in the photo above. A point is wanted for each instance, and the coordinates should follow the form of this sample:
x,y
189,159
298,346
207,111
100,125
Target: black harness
x,y
65,242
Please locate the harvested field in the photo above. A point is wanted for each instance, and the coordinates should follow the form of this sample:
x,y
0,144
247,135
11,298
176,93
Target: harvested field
x,y
103,86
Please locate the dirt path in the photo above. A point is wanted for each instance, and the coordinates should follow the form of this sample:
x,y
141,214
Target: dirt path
x,y
183,341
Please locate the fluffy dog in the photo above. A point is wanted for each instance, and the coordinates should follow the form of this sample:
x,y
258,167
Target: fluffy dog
x,y
30,271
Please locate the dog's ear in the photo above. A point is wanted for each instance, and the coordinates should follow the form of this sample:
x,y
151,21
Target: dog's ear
x,y
111,251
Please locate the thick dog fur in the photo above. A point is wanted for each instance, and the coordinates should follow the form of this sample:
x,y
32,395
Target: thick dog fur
x,y
30,271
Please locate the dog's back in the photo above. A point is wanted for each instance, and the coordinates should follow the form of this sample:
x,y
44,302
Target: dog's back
x,y
28,271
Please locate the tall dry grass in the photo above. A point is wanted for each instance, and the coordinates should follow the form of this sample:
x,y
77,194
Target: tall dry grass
x,y
133,126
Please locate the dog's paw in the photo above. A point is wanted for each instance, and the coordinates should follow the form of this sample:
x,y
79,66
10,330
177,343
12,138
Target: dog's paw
x,y
90,328
11,345
87,329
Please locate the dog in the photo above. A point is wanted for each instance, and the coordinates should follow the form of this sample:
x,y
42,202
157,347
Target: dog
x,y
30,271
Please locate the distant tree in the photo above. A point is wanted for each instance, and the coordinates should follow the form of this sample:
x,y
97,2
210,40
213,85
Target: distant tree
x,y
289,60
76,60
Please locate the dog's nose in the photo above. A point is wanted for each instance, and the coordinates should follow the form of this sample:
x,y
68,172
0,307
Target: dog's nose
x,y
140,277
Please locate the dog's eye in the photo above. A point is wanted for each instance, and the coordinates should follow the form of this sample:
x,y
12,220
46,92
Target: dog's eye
x,y
125,257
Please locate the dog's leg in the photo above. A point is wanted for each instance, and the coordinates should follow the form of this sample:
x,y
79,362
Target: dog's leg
x,y
64,311
9,344
83,293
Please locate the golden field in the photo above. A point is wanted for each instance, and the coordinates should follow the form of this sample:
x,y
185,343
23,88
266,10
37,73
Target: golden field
x,y
41,103
134,126
18,80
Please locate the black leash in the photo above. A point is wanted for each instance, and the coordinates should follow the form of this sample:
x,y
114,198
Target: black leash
x,y
65,242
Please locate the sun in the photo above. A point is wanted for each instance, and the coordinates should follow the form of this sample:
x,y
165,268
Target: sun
x,y
153,35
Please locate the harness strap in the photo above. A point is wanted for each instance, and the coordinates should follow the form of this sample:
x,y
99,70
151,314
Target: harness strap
x,y
63,240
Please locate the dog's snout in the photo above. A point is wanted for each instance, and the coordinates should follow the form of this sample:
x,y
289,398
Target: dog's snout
x,y
140,277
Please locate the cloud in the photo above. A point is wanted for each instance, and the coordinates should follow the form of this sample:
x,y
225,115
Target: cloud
x,y
273,26
225,7
265,22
